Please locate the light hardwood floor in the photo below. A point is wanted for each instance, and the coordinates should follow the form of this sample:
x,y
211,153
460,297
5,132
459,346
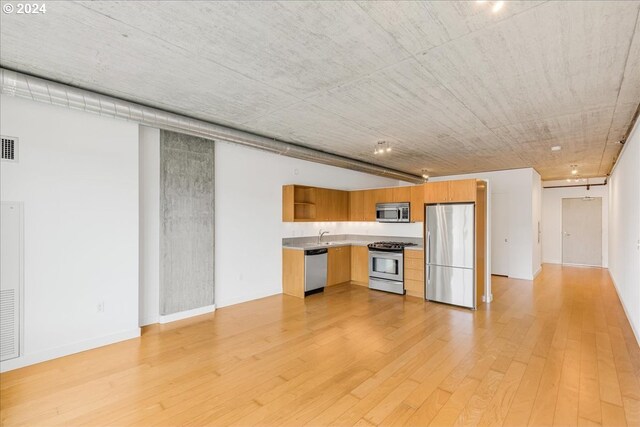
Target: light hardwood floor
x,y
558,351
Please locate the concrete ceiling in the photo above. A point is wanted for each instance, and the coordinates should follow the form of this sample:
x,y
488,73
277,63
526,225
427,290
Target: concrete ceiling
x,y
452,86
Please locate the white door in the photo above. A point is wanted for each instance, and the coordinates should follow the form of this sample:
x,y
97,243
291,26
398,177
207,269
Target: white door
x,y
582,231
500,234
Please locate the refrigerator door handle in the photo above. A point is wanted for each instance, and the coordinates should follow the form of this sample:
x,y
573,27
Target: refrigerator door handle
x,y
427,255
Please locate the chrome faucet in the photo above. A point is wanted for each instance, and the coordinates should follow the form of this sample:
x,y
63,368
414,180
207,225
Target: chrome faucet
x,y
320,234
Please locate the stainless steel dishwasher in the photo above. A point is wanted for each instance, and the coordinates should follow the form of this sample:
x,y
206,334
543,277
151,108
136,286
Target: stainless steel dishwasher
x,y
315,270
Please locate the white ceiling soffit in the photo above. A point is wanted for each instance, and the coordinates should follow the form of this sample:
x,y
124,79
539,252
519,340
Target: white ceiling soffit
x,y
452,86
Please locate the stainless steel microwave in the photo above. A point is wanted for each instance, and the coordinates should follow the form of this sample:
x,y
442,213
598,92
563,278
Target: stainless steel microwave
x,y
393,212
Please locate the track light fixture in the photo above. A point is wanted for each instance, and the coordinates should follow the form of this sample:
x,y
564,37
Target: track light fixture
x,y
382,147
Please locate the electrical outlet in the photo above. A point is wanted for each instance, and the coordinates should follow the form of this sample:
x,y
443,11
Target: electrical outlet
x,y
100,307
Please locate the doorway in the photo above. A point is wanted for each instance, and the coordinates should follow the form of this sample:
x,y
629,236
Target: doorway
x,y
500,234
582,231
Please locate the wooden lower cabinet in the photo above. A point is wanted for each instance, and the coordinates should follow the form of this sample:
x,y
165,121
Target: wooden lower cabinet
x,y
293,272
414,273
360,265
414,288
349,263
338,265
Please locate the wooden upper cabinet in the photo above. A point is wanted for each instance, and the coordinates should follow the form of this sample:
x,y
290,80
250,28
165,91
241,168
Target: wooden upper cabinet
x,y
322,204
384,195
463,190
356,205
332,205
401,194
298,203
301,203
339,205
417,203
450,191
436,192
369,205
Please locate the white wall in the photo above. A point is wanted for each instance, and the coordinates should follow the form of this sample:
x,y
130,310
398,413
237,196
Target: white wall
x,y
624,228
78,178
249,227
536,221
149,302
518,184
552,220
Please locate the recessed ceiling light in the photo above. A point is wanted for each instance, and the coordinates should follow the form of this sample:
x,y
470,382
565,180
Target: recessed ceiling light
x,y
497,6
556,148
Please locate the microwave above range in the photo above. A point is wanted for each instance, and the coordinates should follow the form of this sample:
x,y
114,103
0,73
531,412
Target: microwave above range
x,y
393,212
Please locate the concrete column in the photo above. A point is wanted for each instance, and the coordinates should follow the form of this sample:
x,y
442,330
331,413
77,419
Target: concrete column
x,y
186,222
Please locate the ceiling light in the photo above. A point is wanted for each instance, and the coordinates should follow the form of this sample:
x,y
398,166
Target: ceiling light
x,y
568,179
556,148
574,169
381,147
497,6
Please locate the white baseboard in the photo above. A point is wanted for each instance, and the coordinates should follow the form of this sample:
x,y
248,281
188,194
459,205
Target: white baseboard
x,y
221,302
537,272
31,359
624,307
168,318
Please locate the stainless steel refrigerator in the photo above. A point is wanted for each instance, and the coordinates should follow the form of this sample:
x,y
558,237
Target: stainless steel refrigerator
x,y
450,254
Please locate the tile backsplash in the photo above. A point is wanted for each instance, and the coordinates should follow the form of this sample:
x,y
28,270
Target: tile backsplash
x,y
291,229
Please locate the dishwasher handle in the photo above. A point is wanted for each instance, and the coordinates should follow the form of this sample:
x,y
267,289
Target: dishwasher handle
x,y
315,251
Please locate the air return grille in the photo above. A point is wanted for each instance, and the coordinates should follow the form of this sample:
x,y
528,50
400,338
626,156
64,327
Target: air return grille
x,y
9,327
9,149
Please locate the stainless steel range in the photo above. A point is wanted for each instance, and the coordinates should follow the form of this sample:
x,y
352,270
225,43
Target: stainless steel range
x,y
386,266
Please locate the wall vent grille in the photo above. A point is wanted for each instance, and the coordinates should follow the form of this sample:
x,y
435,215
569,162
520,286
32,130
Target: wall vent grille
x,y
8,324
9,149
